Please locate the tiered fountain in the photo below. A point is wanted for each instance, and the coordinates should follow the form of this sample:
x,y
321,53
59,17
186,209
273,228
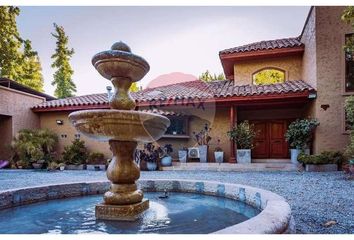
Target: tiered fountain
x,y
122,127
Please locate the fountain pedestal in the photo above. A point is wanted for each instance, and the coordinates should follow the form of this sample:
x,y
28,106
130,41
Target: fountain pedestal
x,y
123,128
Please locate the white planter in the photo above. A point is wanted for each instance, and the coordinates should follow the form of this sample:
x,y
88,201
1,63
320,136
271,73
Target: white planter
x,y
166,161
294,153
243,155
219,157
182,156
151,166
61,168
203,151
96,167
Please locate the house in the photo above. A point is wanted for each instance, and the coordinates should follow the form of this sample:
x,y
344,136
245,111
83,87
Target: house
x,y
16,101
314,75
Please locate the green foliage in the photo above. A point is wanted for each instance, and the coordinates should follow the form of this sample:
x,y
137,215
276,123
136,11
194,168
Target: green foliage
x,y
243,134
349,109
76,153
134,87
96,158
348,17
268,76
299,133
17,59
53,166
208,77
65,87
32,145
327,157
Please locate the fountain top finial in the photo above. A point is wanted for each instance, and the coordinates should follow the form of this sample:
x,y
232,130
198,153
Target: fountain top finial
x,y
121,46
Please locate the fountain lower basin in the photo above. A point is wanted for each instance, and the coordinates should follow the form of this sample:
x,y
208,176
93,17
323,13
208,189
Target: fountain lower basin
x,y
274,212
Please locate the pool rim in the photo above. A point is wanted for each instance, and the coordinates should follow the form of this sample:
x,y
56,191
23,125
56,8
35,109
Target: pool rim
x,y
275,215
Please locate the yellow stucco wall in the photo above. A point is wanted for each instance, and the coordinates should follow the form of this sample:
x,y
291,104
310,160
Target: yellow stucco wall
x,y
292,66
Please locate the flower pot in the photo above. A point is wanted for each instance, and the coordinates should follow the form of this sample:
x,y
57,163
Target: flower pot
x,y
37,165
294,153
203,153
61,168
151,166
166,161
219,157
243,155
351,168
182,156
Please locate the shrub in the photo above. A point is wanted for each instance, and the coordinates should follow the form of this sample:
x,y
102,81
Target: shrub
x,y
299,133
243,134
327,157
53,166
76,153
349,109
96,158
32,145
150,153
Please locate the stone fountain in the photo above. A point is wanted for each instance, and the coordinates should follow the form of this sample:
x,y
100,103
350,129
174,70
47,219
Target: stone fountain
x,y
123,128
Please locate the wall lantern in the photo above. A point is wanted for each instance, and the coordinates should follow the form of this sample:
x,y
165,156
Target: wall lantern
x,y
312,96
59,122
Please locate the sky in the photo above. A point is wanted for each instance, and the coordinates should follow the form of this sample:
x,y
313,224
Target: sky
x,y
171,39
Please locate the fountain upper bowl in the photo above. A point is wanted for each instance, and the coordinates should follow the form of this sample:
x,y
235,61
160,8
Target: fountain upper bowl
x,y
122,125
116,63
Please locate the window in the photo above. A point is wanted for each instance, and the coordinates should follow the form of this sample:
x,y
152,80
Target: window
x,y
349,64
268,76
179,126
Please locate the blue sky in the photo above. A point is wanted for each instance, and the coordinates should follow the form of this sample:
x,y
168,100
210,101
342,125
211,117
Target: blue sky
x,y
171,39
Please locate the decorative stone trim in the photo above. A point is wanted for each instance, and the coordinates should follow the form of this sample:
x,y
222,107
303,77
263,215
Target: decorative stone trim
x,y
275,215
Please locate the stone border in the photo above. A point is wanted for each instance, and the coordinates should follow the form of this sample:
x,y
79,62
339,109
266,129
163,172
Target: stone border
x,y
275,215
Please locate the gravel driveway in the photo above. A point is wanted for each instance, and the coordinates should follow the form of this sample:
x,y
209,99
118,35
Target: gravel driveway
x,y
315,198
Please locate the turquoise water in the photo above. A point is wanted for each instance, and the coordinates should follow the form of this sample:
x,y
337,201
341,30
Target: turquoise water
x,y
180,213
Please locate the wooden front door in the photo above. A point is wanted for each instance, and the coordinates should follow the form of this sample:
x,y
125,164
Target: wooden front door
x,y
270,141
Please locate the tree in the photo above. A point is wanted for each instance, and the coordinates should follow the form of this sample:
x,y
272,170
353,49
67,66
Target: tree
x,y
268,76
134,87
22,66
65,87
31,75
208,77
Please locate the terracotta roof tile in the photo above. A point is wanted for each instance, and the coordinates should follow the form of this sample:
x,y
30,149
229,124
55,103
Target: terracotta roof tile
x,y
193,89
265,45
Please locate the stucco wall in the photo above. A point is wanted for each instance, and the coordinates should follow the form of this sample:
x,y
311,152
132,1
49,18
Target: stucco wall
x,y
17,105
330,32
218,120
292,66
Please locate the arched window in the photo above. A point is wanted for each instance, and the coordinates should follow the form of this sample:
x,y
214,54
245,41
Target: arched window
x,y
268,76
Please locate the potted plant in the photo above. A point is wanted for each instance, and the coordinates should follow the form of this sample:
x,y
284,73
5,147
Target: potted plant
x,y
243,134
202,138
299,136
218,153
324,162
96,161
61,166
149,155
182,154
166,159
75,155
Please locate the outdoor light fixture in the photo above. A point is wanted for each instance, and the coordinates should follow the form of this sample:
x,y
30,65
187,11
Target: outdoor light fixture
x,y
109,91
59,122
312,96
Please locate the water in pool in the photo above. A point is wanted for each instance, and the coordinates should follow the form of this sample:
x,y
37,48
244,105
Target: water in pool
x,y
180,213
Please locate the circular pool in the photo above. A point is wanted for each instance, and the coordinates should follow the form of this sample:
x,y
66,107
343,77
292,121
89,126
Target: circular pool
x,y
192,207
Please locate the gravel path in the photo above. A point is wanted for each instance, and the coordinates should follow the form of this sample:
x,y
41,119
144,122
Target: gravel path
x,y
315,198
